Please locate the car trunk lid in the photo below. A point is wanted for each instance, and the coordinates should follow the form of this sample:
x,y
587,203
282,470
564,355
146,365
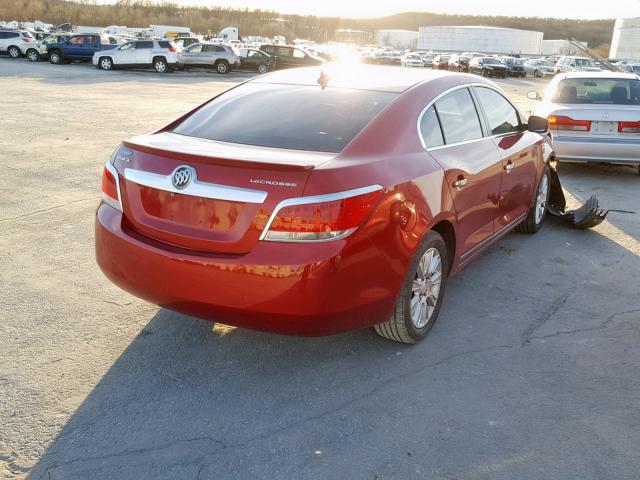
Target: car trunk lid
x,y
599,120
224,204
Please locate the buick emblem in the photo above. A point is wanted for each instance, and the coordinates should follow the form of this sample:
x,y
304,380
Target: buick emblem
x,y
182,177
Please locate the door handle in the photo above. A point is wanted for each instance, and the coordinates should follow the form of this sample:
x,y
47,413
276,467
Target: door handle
x,y
509,166
460,182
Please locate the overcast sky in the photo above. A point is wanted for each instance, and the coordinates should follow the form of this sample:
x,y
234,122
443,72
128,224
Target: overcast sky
x,y
588,9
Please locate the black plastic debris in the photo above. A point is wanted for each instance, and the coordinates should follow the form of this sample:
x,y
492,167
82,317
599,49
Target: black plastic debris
x,y
587,216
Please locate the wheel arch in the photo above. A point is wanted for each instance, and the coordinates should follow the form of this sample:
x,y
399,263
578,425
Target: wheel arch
x,y
445,229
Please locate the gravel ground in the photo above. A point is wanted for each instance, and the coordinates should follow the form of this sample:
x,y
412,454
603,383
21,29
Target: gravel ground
x,y
531,372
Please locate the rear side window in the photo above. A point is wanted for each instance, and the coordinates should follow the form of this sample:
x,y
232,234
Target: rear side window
x,y
164,44
501,115
140,45
430,129
458,117
299,117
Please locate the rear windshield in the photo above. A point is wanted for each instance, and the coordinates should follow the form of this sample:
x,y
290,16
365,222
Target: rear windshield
x,y
298,117
598,91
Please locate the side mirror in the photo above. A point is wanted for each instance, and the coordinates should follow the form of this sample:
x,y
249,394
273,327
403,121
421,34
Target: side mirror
x,y
533,96
538,124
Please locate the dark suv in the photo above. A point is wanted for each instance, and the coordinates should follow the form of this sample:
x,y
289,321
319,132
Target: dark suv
x,y
515,67
289,57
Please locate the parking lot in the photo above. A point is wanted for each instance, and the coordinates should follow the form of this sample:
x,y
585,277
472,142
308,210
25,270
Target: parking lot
x,y
530,373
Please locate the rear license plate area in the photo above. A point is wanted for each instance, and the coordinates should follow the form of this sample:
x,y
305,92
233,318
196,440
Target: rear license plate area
x,y
604,128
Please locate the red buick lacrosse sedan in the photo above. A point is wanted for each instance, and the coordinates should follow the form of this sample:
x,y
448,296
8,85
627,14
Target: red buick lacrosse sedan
x,y
312,203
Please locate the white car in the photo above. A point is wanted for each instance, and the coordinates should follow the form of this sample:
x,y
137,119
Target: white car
x,y
15,43
576,64
593,116
412,60
160,54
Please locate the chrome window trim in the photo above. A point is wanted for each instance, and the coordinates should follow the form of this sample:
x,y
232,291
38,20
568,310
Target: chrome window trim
x,y
196,188
453,89
329,197
108,200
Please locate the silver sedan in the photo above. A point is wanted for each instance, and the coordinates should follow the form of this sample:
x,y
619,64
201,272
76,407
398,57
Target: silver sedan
x,y
593,116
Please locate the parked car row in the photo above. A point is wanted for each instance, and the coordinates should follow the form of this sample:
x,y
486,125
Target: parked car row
x,y
163,55
489,65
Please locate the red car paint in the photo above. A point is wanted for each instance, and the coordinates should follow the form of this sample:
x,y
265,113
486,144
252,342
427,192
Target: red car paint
x,y
205,256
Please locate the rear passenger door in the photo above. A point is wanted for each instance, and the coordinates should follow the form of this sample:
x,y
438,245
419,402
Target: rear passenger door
x,y
283,57
452,133
143,52
517,148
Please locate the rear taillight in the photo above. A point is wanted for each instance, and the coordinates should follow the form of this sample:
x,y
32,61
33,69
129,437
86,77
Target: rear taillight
x,y
321,218
111,187
25,40
629,127
559,122
172,49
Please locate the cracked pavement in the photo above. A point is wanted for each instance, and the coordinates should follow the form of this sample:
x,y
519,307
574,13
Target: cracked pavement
x,y
531,371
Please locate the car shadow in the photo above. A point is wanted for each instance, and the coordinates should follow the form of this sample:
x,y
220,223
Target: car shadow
x,y
82,73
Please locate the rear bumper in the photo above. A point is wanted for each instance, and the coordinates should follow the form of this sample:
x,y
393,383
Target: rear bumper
x,y
285,288
583,149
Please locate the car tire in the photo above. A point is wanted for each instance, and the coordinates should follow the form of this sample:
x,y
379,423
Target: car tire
x,y
538,212
222,67
263,69
484,72
13,51
105,63
160,65
55,57
420,298
33,55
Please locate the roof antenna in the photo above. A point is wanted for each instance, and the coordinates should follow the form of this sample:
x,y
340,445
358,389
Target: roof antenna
x,y
323,80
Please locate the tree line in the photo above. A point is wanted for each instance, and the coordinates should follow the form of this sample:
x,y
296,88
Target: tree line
x,y
207,20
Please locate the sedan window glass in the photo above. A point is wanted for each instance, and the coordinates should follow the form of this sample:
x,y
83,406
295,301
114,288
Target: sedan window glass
x,y
196,48
430,129
458,117
616,91
501,115
299,117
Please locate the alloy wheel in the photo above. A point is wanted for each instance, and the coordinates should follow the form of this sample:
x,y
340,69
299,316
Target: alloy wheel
x,y
426,287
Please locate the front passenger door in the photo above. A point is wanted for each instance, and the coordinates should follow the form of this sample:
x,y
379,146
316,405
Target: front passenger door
x,y
517,149
471,163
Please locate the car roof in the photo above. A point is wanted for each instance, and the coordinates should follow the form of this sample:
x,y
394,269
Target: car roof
x,y
602,74
357,76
